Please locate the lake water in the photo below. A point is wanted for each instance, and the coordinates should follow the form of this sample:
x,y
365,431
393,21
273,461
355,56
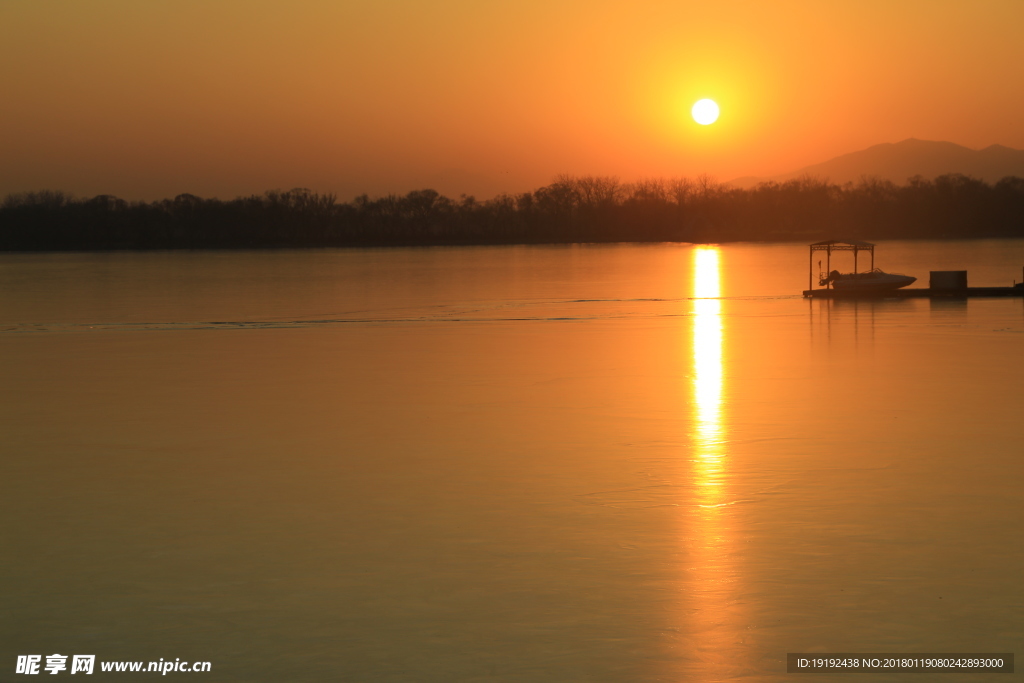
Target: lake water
x,y
558,463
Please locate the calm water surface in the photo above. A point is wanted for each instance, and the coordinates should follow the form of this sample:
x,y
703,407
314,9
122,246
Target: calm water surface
x,y
590,463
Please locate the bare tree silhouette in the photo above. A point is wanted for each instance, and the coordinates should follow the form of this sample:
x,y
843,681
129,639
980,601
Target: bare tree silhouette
x,y
569,209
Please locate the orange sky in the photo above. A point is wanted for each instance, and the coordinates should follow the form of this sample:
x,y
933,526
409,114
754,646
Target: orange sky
x,y
149,99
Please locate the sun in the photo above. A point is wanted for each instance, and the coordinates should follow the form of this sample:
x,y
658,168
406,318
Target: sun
x,y
705,112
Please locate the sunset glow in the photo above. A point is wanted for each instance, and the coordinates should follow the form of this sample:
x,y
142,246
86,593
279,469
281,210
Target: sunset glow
x,y
385,340
149,100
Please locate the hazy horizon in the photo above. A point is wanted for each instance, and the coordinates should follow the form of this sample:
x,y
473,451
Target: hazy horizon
x,y
231,99
811,172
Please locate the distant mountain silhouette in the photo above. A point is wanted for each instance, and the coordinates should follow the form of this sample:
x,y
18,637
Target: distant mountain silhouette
x,y
902,160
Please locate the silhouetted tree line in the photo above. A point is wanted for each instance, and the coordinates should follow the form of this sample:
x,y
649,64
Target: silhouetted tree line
x,y
571,209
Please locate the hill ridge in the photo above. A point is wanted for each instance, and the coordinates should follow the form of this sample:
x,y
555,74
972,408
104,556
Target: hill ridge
x,y
899,161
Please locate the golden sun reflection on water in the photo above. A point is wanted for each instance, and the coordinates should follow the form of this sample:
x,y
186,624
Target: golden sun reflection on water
x,y
713,579
707,374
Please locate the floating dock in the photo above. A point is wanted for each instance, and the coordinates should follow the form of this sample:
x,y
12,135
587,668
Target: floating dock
x,y
917,292
942,284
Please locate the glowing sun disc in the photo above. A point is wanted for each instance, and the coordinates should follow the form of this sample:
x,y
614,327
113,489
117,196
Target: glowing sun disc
x,y
705,112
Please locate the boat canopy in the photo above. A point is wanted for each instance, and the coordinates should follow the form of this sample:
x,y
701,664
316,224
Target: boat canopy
x,y
828,246
841,245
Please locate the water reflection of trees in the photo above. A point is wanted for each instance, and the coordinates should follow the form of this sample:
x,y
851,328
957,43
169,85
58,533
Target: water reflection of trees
x,y
570,209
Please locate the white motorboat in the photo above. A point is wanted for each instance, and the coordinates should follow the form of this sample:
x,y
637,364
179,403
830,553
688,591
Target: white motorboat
x,y
873,280
870,282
